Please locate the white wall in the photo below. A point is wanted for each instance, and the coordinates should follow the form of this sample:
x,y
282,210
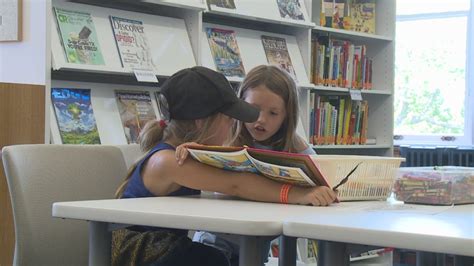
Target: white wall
x,y
25,61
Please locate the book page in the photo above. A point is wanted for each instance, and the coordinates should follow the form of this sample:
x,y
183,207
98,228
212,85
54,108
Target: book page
x,y
233,161
284,174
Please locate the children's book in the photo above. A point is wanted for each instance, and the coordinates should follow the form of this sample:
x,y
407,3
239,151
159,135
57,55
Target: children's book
x,y
79,37
225,52
293,168
75,116
221,3
363,16
132,43
135,110
277,53
291,9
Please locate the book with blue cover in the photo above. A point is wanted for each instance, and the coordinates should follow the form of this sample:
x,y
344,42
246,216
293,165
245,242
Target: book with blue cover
x,y
75,116
225,52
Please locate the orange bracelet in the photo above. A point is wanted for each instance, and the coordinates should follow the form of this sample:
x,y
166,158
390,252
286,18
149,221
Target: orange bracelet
x,y
285,189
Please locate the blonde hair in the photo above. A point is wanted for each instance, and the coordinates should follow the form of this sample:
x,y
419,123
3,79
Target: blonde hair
x,y
281,83
179,130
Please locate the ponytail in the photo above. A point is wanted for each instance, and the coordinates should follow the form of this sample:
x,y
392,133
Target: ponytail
x,y
151,134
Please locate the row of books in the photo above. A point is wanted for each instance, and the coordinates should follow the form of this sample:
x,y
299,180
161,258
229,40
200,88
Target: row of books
x,y
340,63
81,45
355,15
76,120
337,120
226,54
288,9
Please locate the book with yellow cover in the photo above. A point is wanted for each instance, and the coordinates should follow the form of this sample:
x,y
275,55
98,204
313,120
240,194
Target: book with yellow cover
x,y
292,168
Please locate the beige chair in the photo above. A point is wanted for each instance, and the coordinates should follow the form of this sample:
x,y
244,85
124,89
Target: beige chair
x,y
39,175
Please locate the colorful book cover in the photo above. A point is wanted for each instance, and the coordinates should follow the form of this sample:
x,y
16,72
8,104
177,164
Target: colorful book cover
x,y
135,110
335,14
221,3
225,52
291,9
363,16
132,43
75,116
277,53
283,167
79,37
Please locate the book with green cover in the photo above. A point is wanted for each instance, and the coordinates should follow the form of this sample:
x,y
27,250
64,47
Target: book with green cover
x,y
284,167
78,37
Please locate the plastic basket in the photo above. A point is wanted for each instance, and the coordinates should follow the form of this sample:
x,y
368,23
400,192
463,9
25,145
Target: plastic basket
x,y
373,179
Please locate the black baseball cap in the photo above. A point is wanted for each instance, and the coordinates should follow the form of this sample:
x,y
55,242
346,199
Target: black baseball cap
x,y
198,92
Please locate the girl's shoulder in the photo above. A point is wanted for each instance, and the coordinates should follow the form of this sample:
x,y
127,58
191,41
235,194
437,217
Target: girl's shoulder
x,y
302,146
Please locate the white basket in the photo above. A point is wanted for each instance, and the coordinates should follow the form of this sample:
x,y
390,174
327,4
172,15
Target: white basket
x,y
373,179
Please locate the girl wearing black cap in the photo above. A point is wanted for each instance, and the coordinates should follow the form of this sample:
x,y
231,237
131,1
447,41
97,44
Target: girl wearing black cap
x,y
198,105
273,91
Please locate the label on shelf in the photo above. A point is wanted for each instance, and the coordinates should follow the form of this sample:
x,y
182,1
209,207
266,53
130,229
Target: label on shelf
x,y
356,95
145,75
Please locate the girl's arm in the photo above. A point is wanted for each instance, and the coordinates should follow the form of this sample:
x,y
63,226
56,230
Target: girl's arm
x,y
162,174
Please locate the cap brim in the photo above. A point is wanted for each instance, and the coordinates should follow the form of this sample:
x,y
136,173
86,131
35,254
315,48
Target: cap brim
x,y
243,111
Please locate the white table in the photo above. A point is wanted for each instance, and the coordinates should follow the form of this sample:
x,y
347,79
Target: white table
x,y
253,221
440,229
428,228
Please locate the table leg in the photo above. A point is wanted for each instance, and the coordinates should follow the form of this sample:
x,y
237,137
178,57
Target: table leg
x,y
287,255
332,253
99,244
428,258
463,260
250,250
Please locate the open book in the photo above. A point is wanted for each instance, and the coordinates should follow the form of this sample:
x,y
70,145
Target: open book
x,y
292,168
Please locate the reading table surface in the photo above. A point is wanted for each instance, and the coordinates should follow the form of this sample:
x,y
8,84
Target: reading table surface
x,y
440,229
443,229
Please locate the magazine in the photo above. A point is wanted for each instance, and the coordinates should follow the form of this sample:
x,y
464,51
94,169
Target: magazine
x,y
135,110
277,54
221,3
75,116
225,52
363,16
335,14
293,168
132,43
291,9
78,37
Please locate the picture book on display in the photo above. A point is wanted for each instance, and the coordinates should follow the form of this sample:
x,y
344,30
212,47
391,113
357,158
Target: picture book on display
x,y
221,3
335,14
132,43
292,168
75,116
277,54
135,110
363,16
225,52
78,37
291,9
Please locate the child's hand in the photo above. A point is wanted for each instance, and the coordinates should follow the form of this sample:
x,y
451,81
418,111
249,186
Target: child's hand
x,y
182,151
316,196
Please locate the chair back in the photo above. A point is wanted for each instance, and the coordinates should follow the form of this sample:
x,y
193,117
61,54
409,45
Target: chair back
x,y
39,175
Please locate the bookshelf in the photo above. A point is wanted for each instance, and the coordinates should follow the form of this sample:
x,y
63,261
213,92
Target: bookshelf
x,y
381,48
176,30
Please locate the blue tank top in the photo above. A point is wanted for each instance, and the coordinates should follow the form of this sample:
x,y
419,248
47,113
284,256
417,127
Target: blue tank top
x,y
136,188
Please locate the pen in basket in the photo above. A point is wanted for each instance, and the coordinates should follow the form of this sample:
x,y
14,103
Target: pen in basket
x,y
344,180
